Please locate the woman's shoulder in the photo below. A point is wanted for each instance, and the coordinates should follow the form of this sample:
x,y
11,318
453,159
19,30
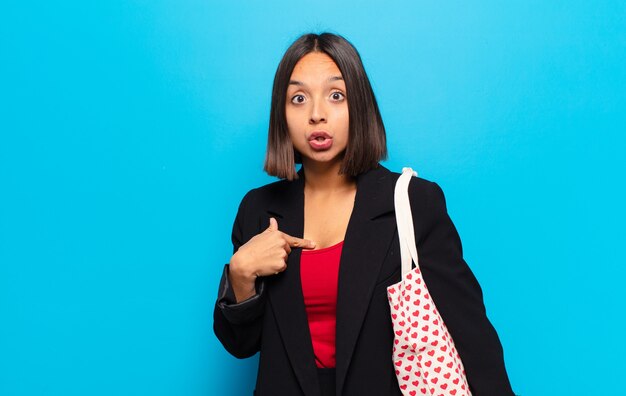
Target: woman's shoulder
x,y
424,193
418,185
269,192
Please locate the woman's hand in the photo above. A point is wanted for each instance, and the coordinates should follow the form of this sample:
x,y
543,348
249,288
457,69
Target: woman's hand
x,y
264,254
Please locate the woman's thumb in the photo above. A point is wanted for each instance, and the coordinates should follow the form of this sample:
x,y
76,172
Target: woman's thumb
x,y
273,224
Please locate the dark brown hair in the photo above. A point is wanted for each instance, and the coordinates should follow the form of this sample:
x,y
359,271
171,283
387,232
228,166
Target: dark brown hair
x,y
366,137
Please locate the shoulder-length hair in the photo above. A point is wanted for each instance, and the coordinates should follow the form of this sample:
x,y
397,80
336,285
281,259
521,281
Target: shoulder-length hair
x,y
367,143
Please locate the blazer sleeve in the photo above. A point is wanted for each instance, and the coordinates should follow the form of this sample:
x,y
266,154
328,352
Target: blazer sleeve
x,y
238,325
457,294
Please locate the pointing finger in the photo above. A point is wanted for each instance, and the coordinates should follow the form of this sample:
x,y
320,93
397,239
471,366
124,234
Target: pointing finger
x,y
299,242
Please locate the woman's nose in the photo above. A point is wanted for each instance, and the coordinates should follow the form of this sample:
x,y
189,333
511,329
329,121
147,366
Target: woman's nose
x,y
318,112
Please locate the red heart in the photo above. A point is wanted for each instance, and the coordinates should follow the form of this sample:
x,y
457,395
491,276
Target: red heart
x,y
437,369
440,359
411,357
449,365
399,332
405,378
453,392
431,352
426,317
424,339
447,375
434,380
427,306
428,363
425,328
443,386
456,381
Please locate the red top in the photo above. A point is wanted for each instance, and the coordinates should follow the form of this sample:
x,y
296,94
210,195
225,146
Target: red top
x,y
319,272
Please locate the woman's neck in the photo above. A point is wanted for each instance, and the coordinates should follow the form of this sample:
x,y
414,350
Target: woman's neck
x,y
325,178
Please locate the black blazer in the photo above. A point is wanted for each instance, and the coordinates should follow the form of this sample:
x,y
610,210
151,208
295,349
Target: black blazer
x,y
274,321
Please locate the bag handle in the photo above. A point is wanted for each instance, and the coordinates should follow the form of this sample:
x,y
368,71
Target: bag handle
x,y
404,220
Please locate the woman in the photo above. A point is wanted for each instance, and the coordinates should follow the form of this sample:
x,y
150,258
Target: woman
x,y
315,252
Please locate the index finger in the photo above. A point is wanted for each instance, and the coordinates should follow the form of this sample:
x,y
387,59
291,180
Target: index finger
x,y
299,242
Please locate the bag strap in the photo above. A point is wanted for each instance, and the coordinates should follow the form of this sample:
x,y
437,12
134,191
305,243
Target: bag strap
x,y
404,221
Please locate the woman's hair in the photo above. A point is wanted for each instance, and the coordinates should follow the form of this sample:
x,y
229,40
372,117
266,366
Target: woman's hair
x,y
366,137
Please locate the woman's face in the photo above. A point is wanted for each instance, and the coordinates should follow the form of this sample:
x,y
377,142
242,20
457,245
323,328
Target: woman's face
x,y
317,109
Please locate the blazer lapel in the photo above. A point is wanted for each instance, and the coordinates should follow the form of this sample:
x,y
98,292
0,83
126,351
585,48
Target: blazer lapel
x,y
365,247
285,293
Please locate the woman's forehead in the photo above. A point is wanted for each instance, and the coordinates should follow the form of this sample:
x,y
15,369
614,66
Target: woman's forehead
x,y
315,67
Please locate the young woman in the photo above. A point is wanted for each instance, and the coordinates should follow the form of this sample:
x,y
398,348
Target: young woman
x,y
315,252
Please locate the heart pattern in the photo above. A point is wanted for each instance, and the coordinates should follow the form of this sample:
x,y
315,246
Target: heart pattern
x,y
425,358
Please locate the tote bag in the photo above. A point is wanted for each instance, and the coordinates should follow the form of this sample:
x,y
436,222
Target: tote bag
x,y
426,361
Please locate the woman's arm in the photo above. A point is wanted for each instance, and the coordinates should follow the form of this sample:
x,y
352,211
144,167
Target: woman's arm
x,y
457,294
241,302
238,325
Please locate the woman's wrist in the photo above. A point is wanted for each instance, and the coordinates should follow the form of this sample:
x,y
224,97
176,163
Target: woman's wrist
x,y
242,282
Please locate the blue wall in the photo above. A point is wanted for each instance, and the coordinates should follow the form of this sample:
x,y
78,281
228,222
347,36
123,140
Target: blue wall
x,y
130,130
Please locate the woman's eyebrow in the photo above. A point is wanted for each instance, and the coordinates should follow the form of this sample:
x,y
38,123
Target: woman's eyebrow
x,y
330,79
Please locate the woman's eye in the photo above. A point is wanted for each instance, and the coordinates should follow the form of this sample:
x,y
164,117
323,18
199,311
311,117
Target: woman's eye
x,y
337,96
298,99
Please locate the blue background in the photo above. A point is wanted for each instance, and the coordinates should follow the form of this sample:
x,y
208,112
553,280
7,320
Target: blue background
x,y
130,130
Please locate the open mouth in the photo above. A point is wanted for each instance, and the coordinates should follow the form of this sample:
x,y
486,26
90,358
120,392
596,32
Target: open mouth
x,y
321,143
